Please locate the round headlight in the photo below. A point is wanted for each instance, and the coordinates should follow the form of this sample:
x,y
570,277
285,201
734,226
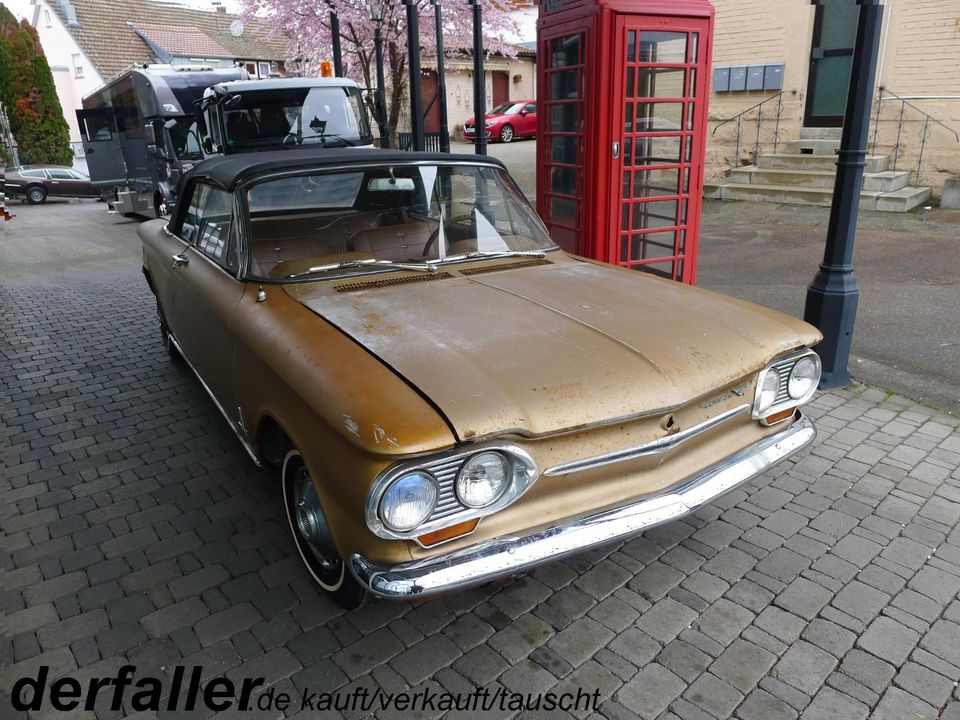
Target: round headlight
x,y
408,501
483,479
768,390
803,378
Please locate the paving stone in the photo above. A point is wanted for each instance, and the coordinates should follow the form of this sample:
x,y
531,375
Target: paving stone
x,y
761,705
868,670
782,625
666,619
830,705
516,640
580,640
655,580
848,686
897,705
787,693
63,633
804,666
889,640
925,684
481,665
165,620
713,695
829,636
650,692
635,646
425,658
369,651
861,601
742,665
804,598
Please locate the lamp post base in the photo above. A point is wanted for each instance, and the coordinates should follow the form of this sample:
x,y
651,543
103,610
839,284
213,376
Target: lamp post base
x,y
832,300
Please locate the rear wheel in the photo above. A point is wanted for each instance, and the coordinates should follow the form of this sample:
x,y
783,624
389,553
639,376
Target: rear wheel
x,y
36,195
312,536
506,134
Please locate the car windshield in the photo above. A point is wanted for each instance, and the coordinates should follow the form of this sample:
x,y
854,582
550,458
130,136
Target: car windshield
x,y
257,119
184,140
421,216
509,108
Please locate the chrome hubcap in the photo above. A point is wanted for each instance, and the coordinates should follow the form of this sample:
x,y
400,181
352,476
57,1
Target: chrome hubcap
x,y
311,523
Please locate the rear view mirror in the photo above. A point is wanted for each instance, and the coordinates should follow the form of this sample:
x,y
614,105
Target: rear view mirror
x,y
390,184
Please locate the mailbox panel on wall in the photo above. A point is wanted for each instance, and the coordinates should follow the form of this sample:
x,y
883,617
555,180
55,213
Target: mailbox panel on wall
x,y
738,79
721,79
755,77
773,77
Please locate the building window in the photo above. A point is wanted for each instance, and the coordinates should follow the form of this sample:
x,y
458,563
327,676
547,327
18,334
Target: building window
x,y
77,65
264,69
46,18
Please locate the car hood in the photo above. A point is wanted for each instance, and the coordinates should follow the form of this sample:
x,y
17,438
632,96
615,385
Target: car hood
x,y
554,347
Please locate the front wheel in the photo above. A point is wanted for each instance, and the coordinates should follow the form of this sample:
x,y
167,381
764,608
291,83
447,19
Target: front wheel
x,y
36,195
312,536
506,134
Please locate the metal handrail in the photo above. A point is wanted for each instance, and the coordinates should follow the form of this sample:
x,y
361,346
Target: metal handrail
x,y
759,119
749,109
884,95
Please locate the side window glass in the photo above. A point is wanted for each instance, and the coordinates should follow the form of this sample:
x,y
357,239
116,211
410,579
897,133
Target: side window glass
x,y
60,174
531,108
210,219
191,221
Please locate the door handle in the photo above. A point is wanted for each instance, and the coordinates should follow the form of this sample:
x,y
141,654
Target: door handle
x,y
180,259
616,150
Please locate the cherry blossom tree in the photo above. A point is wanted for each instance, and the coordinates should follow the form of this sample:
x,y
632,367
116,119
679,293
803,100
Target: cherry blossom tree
x,y
306,25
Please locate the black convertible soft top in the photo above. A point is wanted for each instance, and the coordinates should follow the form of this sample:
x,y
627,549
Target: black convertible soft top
x,y
230,170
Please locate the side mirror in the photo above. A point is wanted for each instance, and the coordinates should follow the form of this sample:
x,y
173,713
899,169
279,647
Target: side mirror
x,y
152,150
208,146
150,135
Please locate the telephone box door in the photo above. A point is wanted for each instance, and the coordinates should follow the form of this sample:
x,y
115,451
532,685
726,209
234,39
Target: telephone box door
x,y
657,136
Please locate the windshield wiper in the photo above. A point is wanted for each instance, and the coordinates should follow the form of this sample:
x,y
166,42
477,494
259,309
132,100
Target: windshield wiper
x,y
332,136
494,254
369,262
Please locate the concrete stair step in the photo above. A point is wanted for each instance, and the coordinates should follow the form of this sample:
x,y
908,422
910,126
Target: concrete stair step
x,y
816,133
812,147
793,161
874,182
901,200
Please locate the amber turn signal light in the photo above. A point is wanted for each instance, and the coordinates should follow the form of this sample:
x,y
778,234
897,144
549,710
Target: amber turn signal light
x,y
448,533
780,416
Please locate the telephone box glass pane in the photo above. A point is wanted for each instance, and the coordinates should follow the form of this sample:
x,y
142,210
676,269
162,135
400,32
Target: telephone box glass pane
x,y
654,183
563,118
658,117
654,214
563,180
631,46
658,150
563,150
563,211
659,83
565,85
565,51
663,47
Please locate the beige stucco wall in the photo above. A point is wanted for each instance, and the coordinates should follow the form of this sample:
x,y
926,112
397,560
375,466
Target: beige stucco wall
x,y
920,56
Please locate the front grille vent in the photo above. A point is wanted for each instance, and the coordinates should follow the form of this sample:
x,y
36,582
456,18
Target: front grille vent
x,y
391,282
504,266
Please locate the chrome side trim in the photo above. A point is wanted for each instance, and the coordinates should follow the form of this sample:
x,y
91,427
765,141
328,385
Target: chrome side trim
x,y
506,556
233,426
651,447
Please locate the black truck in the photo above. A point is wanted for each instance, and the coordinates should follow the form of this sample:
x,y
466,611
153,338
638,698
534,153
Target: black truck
x,y
150,124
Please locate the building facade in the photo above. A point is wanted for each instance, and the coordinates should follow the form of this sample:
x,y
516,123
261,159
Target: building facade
x,y
796,54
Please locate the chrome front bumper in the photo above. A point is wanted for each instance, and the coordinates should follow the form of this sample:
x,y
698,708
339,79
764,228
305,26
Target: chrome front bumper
x,y
506,556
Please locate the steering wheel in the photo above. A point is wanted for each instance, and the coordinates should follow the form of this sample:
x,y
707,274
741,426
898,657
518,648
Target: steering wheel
x,y
436,233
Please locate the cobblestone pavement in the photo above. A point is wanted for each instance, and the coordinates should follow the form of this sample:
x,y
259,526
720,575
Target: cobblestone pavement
x,y
136,531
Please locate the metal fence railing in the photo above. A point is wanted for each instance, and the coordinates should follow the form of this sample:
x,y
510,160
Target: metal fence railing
x,y
431,141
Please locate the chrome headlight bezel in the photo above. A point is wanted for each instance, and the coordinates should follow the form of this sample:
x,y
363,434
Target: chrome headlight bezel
x,y
445,469
783,367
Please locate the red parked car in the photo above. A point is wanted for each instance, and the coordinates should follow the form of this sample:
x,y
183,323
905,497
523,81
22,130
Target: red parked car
x,y
506,122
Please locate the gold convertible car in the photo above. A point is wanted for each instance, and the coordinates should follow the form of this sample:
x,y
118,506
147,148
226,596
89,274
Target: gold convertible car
x,y
448,396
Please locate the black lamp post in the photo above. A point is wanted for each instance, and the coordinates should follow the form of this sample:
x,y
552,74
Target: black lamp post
x,y
413,55
377,9
335,36
441,79
833,295
479,84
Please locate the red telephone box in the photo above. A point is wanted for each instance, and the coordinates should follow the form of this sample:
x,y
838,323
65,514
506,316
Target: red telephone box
x,y
622,127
